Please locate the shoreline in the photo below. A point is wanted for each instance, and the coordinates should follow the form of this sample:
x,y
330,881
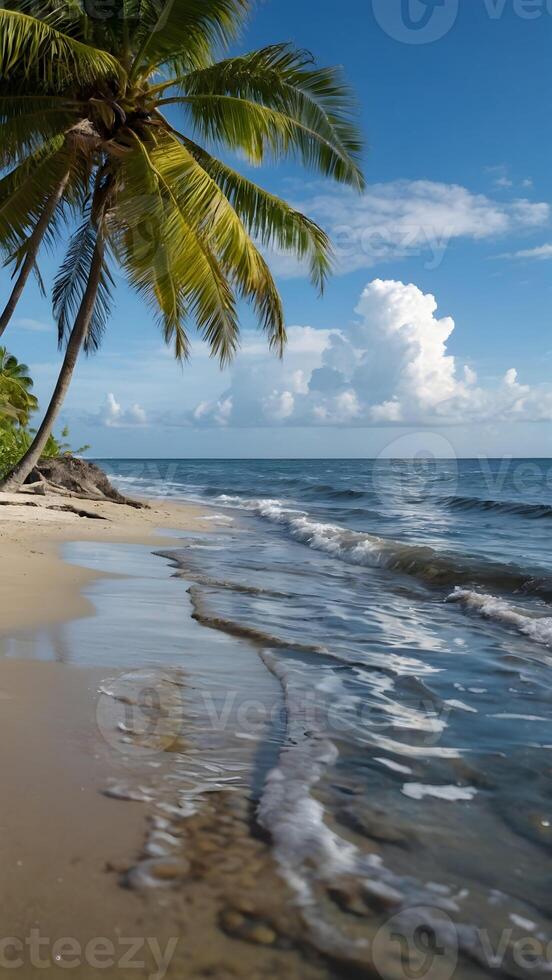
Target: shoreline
x,y
86,817
63,838
40,588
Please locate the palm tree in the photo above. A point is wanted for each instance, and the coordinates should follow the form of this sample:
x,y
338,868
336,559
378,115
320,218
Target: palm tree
x,y
88,111
16,399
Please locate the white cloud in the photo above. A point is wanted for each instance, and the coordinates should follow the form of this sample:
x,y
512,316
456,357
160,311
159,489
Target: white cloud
x,y
279,405
391,367
113,416
541,252
36,326
404,218
301,340
504,182
218,412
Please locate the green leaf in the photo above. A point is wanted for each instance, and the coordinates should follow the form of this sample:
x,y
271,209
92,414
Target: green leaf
x,y
24,193
32,51
268,218
171,262
185,32
70,286
282,78
261,132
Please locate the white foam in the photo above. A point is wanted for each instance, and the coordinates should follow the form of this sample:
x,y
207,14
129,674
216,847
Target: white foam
x,y
387,744
452,794
395,766
508,716
294,818
461,706
491,607
353,546
526,924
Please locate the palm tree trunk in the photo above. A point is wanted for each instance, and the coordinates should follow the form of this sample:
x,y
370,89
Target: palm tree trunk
x,y
35,242
19,474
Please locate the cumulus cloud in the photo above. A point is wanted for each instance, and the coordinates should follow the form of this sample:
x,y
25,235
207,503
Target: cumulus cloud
x,y
220,412
114,416
391,367
404,218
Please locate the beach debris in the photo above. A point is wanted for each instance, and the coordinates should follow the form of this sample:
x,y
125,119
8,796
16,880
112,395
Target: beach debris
x,y
72,477
68,509
60,507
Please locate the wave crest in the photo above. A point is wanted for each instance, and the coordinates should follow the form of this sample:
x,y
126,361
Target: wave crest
x,y
421,561
539,628
518,508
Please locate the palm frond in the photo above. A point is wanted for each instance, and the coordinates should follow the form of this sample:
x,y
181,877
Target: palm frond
x,y
27,124
32,51
261,132
70,285
136,231
173,265
269,219
209,211
282,78
184,33
26,189
16,399
67,16
17,258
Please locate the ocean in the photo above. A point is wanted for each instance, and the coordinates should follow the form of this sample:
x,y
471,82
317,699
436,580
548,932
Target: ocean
x,y
404,609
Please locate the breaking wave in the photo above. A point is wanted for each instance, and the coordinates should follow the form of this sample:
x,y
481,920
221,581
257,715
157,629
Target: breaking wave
x,y
372,551
539,628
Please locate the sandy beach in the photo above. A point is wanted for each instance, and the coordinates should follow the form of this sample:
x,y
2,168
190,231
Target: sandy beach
x,y
40,589
76,850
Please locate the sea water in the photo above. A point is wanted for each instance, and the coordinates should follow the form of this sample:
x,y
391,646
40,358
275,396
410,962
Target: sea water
x,y
405,609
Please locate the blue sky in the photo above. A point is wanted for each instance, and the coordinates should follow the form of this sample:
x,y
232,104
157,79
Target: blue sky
x,y
458,207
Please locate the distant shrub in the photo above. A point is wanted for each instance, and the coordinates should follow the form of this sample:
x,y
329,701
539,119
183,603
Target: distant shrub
x,y
17,404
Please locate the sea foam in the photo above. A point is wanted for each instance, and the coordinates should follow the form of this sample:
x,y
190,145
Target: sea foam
x,y
362,548
491,607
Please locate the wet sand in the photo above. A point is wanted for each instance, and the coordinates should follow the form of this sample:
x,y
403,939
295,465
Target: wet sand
x,y
89,880
73,858
37,588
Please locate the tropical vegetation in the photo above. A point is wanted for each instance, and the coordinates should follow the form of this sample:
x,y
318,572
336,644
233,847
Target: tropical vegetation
x,y
17,401
17,405
109,126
